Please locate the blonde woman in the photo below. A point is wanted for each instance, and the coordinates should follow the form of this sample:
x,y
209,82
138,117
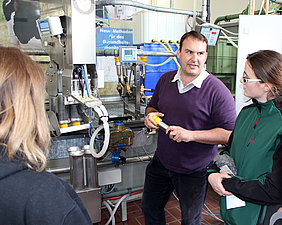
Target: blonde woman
x,y
29,195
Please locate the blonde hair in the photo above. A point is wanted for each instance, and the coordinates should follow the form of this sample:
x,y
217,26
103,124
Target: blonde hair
x,y
24,126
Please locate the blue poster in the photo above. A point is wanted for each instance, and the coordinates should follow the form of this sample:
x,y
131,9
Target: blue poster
x,y
113,38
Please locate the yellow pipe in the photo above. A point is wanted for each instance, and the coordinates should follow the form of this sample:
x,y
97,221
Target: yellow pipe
x,y
168,45
172,51
162,44
174,42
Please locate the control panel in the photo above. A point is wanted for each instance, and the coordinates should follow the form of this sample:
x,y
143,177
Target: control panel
x,y
212,34
128,54
50,26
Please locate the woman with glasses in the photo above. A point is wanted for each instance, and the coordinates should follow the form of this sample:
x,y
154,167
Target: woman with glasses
x,y
252,195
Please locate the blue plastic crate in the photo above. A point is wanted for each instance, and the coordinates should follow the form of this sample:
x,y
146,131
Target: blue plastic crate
x,y
154,73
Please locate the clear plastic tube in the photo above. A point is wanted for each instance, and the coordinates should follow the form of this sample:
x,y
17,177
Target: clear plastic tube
x,y
106,140
106,203
116,207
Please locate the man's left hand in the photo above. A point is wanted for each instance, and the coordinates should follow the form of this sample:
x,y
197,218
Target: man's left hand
x,y
179,134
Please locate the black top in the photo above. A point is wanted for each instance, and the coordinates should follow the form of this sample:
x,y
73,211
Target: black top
x,y
37,198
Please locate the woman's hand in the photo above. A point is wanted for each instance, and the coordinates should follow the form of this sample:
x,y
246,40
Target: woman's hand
x,y
215,180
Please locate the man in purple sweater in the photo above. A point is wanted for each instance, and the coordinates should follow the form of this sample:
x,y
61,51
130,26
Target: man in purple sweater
x,y
201,113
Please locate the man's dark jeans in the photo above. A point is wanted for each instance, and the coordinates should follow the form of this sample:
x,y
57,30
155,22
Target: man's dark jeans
x,y
160,182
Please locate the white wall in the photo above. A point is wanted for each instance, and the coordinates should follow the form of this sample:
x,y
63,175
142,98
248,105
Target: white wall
x,y
217,7
255,33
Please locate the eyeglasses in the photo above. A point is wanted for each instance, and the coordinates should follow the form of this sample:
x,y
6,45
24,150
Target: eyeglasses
x,y
245,80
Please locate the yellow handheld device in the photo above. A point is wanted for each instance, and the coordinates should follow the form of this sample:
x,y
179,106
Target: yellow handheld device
x,y
160,123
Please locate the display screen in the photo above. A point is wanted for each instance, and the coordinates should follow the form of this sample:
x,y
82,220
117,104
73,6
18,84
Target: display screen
x,y
212,34
127,52
44,24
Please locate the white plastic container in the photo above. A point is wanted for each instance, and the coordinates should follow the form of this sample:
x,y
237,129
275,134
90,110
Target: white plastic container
x,y
149,25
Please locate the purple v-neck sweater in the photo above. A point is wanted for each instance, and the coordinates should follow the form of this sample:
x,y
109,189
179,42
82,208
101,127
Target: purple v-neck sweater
x,y
208,107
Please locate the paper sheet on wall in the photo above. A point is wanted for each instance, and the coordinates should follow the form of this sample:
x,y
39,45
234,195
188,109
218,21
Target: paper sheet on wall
x,y
108,65
101,78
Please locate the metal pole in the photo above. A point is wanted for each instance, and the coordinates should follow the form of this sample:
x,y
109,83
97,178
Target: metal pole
x,y
194,15
107,163
266,7
204,10
144,6
171,4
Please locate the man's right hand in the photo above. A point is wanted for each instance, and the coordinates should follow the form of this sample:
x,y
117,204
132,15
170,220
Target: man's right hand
x,y
215,180
149,122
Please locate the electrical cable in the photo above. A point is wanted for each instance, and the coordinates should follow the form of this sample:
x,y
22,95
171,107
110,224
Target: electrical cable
x,y
176,62
219,27
110,211
130,106
90,123
278,10
171,50
85,81
187,24
222,31
116,207
210,212
86,86
106,138
161,64
142,131
110,189
143,146
59,38
229,39
118,197
174,42
121,198
261,7
175,196
103,45
145,99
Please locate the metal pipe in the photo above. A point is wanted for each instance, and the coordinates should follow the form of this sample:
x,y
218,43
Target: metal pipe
x,y
251,7
208,11
233,16
277,1
204,10
123,192
100,3
266,7
34,52
194,14
128,160
106,163
152,53
139,53
171,4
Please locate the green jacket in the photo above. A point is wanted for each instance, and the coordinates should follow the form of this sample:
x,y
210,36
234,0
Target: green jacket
x,y
256,147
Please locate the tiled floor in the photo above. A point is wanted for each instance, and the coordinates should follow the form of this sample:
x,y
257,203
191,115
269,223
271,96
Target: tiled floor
x,y
172,210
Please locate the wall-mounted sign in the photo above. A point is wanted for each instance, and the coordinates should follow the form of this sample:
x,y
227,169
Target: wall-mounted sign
x,y
113,38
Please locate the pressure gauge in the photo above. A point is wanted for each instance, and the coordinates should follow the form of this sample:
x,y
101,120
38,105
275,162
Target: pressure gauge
x,y
84,6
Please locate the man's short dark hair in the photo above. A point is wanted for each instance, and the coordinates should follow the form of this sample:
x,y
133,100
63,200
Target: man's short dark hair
x,y
196,35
